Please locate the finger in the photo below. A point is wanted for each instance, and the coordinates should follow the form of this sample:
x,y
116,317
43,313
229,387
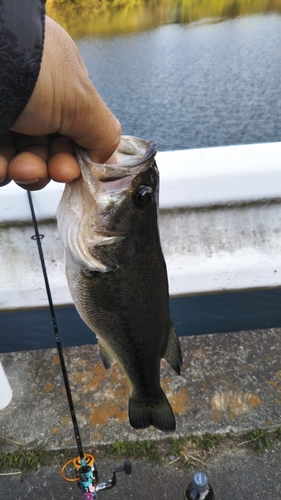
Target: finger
x,y
29,167
7,152
39,145
29,171
62,164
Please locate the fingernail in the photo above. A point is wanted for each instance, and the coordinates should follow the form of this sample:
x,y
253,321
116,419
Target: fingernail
x,y
31,181
4,181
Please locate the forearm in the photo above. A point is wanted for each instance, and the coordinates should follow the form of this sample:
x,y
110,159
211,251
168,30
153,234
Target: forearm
x,y
22,25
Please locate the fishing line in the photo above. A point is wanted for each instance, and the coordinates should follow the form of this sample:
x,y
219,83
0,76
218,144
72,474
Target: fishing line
x,y
38,238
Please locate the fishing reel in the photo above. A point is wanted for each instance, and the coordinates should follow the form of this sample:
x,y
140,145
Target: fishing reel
x,y
86,476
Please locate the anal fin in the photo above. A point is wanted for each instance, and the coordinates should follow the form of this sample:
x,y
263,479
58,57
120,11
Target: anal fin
x,y
107,359
173,354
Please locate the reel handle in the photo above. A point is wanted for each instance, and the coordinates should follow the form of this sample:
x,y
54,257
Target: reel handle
x,y
110,483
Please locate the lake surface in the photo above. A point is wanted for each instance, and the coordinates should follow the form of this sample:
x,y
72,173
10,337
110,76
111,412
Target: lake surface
x,y
193,85
184,86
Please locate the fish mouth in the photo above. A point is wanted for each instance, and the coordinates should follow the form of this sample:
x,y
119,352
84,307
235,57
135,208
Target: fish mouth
x,y
86,202
132,156
104,181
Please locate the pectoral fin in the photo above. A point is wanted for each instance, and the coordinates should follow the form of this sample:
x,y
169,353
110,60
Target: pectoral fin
x,y
173,354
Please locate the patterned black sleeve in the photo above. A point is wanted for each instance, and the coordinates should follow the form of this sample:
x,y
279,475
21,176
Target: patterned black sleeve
x,y
22,24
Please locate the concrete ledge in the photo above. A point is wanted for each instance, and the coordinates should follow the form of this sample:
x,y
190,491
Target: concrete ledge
x,y
229,383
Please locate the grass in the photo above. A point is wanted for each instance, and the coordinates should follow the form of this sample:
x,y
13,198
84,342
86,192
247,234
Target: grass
x,y
187,451
261,440
29,458
135,450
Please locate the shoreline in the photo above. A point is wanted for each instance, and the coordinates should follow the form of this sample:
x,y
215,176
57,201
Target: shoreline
x,y
92,17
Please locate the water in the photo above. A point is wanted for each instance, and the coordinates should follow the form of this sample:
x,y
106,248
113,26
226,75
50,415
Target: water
x,y
218,313
184,86
193,86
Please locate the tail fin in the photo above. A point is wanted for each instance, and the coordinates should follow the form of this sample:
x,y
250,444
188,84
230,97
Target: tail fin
x,y
160,414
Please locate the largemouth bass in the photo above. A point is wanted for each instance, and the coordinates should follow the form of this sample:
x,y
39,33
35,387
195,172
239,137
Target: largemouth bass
x,y
108,224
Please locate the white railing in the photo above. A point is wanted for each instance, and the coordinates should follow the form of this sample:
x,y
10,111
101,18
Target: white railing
x,y
220,223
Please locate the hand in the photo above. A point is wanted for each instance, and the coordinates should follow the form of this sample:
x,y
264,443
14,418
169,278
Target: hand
x,y
64,108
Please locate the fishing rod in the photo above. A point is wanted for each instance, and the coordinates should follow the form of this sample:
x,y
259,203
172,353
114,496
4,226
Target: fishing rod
x,y
86,474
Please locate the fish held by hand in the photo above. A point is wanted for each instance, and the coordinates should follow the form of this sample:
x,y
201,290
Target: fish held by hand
x,y
108,224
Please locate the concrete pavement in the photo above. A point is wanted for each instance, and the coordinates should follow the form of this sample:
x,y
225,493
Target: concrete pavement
x,y
230,384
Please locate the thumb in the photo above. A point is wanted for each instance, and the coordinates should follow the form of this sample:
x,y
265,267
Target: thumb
x,y
83,115
94,126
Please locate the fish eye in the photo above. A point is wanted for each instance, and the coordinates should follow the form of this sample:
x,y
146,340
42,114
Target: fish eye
x,y
143,197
